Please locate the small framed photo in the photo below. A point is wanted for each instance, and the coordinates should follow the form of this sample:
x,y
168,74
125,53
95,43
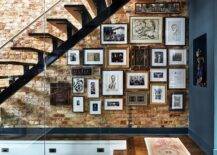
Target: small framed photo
x,y
137,98
146,29
95,107
177,57
159,57
112,83
93,56
113,104
137,80
177,102
177,78
114,34
158,75
78,104
73,57
78,85
140,56
175,31
158,93
93,88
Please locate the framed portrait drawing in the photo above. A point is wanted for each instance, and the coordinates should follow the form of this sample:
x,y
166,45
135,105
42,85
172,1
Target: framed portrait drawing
x,y
177,57
175,31
112,83
159,57
146,29
158,75
93,88
73,57
177,78
113,104
137,98
137,80
95,107
78,85
78,104
140,56
158,93
93,56
177,102
114,34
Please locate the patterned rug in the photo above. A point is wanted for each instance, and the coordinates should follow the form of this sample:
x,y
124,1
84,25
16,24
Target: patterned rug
x,y
165,146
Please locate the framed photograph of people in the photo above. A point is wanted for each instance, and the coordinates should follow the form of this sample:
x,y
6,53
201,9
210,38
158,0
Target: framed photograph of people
x,y
175,31
177,78
177,102
78,104
114,34
95,107
78,85
146,29
112,83
140,57
93,56
177,57
137,80
93,88
159,57
158,93
113,104
73,57
158,75
137,98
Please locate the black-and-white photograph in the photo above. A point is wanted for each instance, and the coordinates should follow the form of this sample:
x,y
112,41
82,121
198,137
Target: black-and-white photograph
x,y
78,104
158,75
93,88
137,80
137,98
140,56
73,57
93,56
177,56
177,102
78,85
113,104
118,58
158,93
159,57
95,107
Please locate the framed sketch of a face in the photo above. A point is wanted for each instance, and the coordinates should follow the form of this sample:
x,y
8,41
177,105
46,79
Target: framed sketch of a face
x,y
95,107
177,102
175,31
158,93
158,75
159,57
177,78
146,29
113,104
78,85
177,57
137,80
73,57
112,83
93,88
93,56
78,104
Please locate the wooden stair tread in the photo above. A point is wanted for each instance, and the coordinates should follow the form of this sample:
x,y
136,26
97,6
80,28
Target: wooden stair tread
x,y
8,70
4,82
45,35
75,7
17,62
28,49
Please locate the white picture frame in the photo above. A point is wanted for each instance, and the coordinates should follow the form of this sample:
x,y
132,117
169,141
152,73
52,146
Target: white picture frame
x,y
137,80
177,102
159,57
158,94
78,104
95,107
73,57
177,57
158,75
177,78
78,85
93,88
93,56
113,104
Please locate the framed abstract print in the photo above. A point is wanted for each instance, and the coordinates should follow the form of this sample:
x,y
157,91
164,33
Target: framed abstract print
x,y
93,56
175,31
177,102
146,29
78,104
159,57
137,80
95,107
137,98
140,56
93,88
158,93
177,78
113,104
73,57
78,85
177,57
158,75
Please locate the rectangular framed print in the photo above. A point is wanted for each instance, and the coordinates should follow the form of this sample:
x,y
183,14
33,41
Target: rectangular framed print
x,y
146,29
137,98
159,57
140,57
177,57
78,104
158,75
158,93
113,104
78,85
177,78
73,57
175,31
177,102
95,107
93,88
114,34
93,56
137,80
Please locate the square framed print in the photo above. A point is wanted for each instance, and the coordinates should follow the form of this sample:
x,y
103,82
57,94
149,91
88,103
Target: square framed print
x,y
113,104
93,56
177,78
175,31
78,104
177,102
146,29
95,107
158,75
158,93
78,85
137,98
93,88
159,57
73,57
114,34
140,56
112,83
137,80
177,57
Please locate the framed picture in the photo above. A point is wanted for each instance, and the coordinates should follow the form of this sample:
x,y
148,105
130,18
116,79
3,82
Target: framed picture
x,y
137,80
146,29
177,78
81,71
93,56
177,102
137,98
78,104
95,107
158,75
158,93
78,85
169,7
112,83
175,31
73,57
93,88
159,57
177,57
114,34
140,56
113,104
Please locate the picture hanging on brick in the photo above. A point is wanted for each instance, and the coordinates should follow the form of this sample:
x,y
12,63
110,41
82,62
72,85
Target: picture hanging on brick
x,y
177,57
158,94
92,88
73,57
93,56
158,75
95,107
78,85
159,57
137,98
140,56
177,102
177,78
113,104
78,104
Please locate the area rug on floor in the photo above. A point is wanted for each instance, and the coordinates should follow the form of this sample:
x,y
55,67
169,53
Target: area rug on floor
x,y
165,146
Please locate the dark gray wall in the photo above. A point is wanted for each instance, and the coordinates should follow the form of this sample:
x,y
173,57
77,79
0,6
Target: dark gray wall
x,y
201,115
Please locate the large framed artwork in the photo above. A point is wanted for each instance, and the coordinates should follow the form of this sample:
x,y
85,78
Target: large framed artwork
x,y
113,104
158,93
95,107
93,88
177,57
175,31
74,57
159,57
140,57
93,56
200,61
112,83
114,34
146,29
137,80
78,104
177,78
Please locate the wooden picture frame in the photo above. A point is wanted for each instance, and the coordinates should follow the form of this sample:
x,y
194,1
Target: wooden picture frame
x,y
95,107
78,85
159,57
78,104
158,94
93,88
113,104
177,78
140,57
93,56
137,98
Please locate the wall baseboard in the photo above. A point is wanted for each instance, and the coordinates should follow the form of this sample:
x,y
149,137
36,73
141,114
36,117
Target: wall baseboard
x,y
214,151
